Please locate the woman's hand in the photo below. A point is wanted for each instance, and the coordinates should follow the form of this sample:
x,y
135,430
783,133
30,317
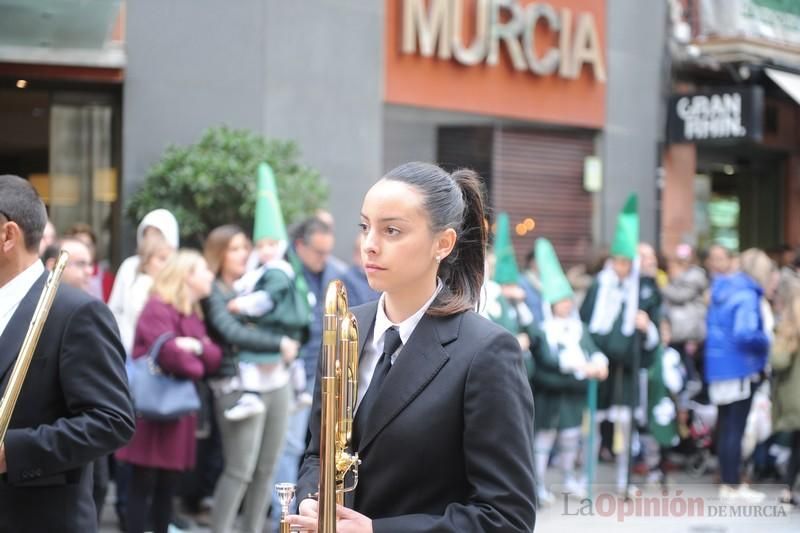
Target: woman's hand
x,y
233,306
350,521
524,341
347,520
642,321
189,344
307,519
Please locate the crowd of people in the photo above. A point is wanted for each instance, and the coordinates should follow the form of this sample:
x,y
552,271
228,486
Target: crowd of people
x,y
707,334
639,340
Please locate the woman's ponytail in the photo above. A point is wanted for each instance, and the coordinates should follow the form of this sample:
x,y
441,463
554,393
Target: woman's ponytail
x,y
463,270
452,201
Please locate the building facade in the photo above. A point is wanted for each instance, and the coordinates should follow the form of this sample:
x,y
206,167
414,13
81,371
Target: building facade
x,y
732,148
558,104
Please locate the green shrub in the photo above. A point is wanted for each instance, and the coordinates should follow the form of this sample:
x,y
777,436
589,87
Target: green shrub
x,y
213,182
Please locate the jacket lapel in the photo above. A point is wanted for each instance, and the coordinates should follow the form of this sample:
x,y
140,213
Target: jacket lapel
x,y
416,366
14,334
365,316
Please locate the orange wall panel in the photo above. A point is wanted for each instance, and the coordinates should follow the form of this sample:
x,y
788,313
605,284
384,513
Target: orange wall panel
x,y
497,90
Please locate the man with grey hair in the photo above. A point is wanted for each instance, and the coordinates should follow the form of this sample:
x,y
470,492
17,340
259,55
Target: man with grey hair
x,y
74,405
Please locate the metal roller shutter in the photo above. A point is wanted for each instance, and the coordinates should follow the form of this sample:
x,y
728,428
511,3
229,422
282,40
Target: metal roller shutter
x,y
538,174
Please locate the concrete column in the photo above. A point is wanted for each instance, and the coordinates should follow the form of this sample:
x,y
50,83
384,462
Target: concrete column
x,y
634,118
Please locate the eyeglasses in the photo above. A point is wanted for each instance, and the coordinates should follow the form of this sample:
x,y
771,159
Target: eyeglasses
x,y
322,254
80,264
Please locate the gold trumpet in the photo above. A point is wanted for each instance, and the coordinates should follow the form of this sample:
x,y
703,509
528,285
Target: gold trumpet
x,y
23,362
339,388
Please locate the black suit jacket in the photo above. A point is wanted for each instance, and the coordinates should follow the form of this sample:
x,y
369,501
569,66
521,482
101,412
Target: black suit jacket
x,y
449,442
73,408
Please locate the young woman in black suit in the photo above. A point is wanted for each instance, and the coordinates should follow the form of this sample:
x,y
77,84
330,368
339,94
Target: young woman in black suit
x,y
446,440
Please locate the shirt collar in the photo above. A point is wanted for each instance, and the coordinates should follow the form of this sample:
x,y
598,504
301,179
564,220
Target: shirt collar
x,y
407,326
12,293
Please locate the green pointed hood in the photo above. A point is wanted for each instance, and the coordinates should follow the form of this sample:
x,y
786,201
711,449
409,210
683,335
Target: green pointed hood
x,y
626,237
269,218
555,286
505,271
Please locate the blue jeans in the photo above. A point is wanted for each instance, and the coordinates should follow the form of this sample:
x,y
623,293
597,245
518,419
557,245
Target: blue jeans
x,y
732,419
286,470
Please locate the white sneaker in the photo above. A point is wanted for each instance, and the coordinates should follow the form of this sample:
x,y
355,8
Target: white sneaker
x,y
727,493
247,406
575,488
632,492
545,497
741,494
745,493
654,477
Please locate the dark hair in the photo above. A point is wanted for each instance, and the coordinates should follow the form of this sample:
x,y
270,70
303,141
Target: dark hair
x,y
306,229
82,228
19,203
452,201
722,247
51,252
217,243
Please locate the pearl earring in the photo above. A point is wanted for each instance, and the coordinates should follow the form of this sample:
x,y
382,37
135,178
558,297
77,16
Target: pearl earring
x,y
438,259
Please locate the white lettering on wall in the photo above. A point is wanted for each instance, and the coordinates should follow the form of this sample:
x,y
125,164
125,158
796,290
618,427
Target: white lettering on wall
x,y
435,27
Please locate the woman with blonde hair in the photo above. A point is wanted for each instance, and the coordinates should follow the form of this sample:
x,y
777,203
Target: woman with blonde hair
x,y
737,345
785,361
153,251
160,450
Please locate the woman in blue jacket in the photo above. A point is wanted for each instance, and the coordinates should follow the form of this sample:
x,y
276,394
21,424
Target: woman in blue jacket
x,y
737,346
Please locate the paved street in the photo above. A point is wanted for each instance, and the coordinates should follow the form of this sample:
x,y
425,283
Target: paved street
x,y
690,506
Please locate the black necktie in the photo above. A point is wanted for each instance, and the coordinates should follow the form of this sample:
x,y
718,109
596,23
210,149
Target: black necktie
x,y
391,342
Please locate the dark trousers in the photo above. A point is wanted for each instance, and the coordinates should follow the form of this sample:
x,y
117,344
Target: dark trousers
x,y
731,423
122,478
794,461
199,482
100,478
151,493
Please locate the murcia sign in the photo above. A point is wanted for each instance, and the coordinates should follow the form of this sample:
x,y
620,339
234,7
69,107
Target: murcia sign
x,y
435,28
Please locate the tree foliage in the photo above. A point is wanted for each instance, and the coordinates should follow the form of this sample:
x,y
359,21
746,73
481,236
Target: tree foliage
x,y
213,182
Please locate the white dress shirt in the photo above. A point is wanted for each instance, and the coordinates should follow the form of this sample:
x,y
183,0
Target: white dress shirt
x,y
12,293
373,348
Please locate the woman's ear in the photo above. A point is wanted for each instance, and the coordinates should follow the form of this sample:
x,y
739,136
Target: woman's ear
x,y
445,243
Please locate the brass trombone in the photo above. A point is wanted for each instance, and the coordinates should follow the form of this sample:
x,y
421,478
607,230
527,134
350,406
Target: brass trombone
x,y
339,393
23,362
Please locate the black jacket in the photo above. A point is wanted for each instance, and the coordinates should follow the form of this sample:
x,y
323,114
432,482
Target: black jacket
x,y
74,407
449,443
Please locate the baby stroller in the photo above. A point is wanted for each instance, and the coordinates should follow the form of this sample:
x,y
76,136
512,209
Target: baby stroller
x,y
697,438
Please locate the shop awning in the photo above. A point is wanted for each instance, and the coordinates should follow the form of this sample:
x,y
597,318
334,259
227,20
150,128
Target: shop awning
x,y
790,83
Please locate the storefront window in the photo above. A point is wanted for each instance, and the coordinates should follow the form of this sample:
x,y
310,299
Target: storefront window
x,y
66,143
82,182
